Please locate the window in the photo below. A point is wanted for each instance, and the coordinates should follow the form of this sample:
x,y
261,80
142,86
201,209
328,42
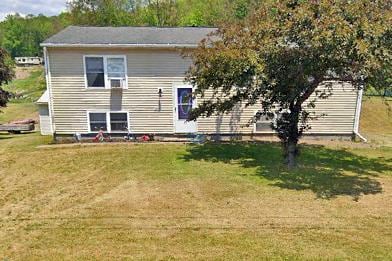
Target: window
x,y
118,121
97,121
264,123
184,102
108,121
95,72
103,71
116,68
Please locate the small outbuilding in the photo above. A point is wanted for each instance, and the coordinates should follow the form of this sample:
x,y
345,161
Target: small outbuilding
x,y
44,115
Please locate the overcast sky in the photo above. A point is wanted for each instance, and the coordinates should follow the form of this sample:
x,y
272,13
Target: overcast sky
x,y
46,7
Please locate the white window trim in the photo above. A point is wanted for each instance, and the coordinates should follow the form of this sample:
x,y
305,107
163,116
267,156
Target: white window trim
x,y
108,125
106,78
262,132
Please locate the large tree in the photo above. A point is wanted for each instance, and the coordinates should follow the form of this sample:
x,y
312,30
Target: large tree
x,y
284,51
157,12
6,74
21,36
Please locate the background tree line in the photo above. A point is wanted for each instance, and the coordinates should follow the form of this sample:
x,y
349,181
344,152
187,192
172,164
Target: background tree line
x,y
21,36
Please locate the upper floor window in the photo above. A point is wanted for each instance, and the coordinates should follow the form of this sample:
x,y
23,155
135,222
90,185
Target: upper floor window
x,y
105,71
95,72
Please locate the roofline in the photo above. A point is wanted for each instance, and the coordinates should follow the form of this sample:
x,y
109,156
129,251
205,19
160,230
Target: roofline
x,y
121,45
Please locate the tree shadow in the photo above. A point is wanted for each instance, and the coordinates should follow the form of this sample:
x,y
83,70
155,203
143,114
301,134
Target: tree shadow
x,y
326,172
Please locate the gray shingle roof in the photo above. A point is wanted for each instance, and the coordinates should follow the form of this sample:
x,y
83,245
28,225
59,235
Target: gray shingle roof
x,y
143,36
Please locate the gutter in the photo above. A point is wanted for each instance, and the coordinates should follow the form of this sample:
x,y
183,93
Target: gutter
x,y
121,45
358,115
49,88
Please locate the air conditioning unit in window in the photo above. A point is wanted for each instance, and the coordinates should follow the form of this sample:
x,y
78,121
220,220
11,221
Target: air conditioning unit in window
x,y
116,83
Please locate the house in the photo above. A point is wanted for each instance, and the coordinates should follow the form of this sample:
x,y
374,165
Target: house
x,y
122,78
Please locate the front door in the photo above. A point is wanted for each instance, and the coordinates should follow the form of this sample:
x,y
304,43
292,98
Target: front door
x,y
183,104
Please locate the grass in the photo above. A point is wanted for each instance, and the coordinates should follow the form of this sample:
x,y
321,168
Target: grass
x,y
213,201
376,120
18,110
30,86
174,201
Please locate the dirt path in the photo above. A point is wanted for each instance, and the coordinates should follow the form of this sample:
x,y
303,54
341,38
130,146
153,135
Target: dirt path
x,y
24,72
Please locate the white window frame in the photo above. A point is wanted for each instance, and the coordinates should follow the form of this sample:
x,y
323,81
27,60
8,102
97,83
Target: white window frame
x,y
263,132
105,71
108,125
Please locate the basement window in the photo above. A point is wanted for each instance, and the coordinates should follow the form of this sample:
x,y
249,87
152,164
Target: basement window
x,y
97,121
108,121
263,125
118,121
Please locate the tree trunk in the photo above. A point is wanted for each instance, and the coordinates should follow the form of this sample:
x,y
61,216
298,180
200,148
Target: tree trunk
x,y
289,134
292,154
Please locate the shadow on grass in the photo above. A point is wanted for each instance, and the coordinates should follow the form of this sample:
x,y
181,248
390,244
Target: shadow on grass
x,y
327,172
5,136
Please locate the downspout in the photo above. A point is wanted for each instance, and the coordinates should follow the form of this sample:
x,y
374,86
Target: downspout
x,y
49,88
358,114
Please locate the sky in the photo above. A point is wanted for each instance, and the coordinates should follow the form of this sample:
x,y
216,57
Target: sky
x,y
24,7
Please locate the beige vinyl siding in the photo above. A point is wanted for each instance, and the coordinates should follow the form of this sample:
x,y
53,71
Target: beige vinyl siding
x,y
148,70
338,109
334,115
235,122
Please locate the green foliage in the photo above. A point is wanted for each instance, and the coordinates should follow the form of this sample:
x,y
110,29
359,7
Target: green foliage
x,y
21,36
157,12
6,74
282,53
102,12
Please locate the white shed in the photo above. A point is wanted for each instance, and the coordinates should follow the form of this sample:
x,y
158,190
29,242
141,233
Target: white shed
x,y
44,115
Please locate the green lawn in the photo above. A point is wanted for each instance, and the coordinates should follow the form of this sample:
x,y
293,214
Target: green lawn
x,y
175,201
214,201
18,110
376,120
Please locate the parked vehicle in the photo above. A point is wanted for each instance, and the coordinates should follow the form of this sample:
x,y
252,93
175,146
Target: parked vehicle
x,y
28,61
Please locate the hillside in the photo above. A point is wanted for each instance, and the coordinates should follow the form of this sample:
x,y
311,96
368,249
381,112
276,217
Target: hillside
x,y
28,86
376,120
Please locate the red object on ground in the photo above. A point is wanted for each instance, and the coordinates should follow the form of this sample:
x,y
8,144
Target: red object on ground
x,y
99,136
145,138
24,121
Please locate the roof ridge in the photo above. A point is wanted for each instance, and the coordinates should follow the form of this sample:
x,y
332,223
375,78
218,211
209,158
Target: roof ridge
x,y
129,35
